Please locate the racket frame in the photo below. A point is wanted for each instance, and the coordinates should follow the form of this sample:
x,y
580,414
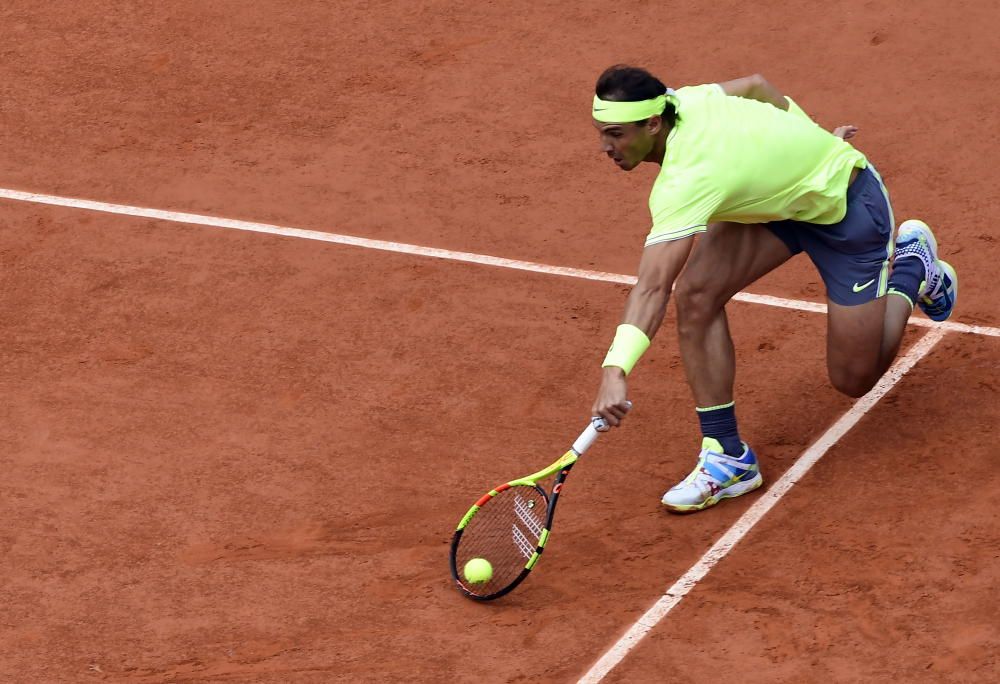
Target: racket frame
x,y
562,466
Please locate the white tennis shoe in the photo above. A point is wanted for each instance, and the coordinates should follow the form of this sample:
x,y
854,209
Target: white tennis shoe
x,y
716,477
939,291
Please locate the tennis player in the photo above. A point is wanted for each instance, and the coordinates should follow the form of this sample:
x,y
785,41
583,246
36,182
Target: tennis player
x,y
743,167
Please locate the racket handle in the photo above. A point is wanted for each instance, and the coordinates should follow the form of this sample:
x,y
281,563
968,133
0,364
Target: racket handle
x,y
592,432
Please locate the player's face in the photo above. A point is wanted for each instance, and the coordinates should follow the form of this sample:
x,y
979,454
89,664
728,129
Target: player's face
x,y
626,144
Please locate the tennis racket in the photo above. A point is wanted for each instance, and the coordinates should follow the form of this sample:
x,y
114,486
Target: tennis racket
x,y
509,525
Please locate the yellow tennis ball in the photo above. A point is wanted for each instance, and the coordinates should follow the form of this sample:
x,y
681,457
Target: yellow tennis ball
x,y
478,570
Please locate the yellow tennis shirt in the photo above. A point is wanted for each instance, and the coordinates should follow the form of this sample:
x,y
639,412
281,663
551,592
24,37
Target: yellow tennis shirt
x,y
734,159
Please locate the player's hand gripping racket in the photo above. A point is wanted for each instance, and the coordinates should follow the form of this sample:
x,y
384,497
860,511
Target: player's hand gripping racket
x,y
499,540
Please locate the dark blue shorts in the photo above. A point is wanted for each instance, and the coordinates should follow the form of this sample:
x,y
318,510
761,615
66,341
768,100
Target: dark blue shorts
x,y
852,256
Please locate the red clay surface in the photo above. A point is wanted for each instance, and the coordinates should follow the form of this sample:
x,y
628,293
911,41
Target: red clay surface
x,y
194,489
240,457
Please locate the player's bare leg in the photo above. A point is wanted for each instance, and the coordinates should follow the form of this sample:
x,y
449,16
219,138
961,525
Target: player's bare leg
x,y
857,342
727,258
863,340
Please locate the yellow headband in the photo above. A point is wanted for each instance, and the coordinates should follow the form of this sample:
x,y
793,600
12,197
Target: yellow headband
x,y
610,111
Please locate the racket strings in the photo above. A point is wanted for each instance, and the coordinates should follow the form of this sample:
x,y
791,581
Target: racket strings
x,y
505,531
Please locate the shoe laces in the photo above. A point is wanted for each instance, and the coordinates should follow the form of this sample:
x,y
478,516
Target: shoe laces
x,y
917,248
729,465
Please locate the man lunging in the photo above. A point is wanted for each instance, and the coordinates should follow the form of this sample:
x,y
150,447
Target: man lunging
x,y
744,165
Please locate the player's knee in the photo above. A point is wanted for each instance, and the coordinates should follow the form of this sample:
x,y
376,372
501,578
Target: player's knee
x,y
854,382
696,303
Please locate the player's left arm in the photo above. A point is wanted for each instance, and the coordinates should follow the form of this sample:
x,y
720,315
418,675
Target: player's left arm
x,y
758,88
845,132
755,87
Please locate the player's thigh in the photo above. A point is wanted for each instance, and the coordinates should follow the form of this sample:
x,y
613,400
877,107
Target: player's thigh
x,y
853,255
728,257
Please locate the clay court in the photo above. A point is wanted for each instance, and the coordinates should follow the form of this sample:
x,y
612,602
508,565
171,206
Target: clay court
x,y
235,445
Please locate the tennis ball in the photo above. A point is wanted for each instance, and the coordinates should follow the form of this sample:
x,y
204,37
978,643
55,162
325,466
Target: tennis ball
x,y
478,570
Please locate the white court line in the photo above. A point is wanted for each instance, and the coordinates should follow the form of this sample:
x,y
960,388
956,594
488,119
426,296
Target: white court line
x,y
403,248
679,589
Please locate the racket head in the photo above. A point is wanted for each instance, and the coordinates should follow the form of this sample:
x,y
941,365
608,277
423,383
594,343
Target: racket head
x,y
508,527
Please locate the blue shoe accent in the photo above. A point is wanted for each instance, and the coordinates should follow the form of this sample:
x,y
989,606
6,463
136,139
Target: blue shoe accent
x,y
715,477
939,305
939,291
732,470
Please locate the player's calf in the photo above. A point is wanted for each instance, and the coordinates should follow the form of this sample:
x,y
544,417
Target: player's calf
x,y
854,382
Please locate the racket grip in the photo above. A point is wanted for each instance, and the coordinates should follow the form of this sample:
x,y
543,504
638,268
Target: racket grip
x,y
592,432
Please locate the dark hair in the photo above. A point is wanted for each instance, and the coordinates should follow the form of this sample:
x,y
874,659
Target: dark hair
x,y
623,83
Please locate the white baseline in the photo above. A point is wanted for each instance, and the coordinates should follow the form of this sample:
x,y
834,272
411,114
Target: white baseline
x,y
418,250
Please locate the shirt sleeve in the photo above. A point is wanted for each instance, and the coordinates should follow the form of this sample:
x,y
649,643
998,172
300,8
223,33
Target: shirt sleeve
x,y
794,108
681,209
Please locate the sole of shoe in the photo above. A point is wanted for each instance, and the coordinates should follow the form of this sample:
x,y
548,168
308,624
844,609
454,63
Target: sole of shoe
x,y
729,492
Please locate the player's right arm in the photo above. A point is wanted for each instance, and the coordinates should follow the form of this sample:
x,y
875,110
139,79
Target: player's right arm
x,y
645,307
658,269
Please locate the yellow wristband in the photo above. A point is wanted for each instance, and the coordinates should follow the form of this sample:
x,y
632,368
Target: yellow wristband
x,y
630,344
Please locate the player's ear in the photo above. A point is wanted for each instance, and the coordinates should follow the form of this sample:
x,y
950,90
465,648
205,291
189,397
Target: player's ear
x,y
655,124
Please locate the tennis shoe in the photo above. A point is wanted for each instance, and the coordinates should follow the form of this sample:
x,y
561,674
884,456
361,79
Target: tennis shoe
x,y
939,290
717,476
